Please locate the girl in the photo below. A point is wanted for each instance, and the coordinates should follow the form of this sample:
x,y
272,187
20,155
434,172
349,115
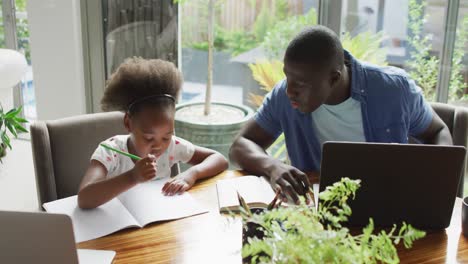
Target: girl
x,y
145,90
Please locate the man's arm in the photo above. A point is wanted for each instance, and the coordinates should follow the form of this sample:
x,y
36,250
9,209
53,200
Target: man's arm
x,y
248,152
437,133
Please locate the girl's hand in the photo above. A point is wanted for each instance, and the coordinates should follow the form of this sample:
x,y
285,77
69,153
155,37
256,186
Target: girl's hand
x,y
179,184
145,169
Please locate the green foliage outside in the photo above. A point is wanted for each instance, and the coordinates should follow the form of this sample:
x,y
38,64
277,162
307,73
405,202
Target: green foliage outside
x,y
458,89
234,41
278,38
366,46
297,234
424,66
22,31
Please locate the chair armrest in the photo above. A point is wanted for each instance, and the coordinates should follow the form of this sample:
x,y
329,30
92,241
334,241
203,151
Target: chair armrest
x,y
43,165
460,127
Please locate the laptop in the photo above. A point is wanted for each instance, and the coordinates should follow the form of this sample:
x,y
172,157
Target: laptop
x,y
35,237
399,182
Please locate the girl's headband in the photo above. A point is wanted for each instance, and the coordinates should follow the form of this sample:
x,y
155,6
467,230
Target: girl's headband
x,y
138,101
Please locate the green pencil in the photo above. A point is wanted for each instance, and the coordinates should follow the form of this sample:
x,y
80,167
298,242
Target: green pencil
x,y
135,157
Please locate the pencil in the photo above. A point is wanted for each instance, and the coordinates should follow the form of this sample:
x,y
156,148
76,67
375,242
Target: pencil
x,y
272,204
135,157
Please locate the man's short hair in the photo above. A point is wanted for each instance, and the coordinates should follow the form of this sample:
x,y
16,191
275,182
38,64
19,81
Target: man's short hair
x,y
318,46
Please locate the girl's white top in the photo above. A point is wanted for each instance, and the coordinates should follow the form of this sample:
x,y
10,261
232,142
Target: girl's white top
x,y
179,150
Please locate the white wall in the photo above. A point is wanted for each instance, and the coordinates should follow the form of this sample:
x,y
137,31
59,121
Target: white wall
x,y
57,60
6,98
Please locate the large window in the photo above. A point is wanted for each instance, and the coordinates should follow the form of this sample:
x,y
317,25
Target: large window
x,y
248,35
14,34
403,33
27,96
2,27
139,28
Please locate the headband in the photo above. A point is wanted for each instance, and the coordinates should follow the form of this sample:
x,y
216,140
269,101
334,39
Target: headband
x,y
138,101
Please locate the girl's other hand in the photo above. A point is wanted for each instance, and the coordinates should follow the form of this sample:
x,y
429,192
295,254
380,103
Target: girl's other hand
x,y
179,184
145,169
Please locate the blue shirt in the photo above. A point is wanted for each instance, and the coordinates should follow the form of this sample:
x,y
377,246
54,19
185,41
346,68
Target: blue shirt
x,y
392,107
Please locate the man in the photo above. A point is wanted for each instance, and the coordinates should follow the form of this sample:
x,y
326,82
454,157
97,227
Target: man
x,y
328,95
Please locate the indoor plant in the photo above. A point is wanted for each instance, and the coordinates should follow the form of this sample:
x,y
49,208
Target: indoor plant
x,y
12,122
13,65
303,234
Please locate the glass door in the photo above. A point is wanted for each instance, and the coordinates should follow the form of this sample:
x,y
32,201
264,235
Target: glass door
x,y
14,34
144,28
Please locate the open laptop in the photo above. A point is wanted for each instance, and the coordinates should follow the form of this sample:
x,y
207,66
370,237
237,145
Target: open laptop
x,y
399,182
35,237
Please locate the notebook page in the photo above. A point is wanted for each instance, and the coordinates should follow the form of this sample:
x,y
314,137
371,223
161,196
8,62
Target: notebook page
x,y
267,192
93,223
252,188
147,204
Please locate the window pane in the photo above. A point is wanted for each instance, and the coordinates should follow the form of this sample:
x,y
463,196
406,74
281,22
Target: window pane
x,y
245,32
405,33
2,28
458,92
27,84
139,28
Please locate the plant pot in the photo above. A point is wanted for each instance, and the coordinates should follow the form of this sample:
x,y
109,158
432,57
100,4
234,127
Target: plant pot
x,y
217,131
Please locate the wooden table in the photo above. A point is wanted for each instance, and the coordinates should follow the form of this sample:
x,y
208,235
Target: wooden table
x,y
213,238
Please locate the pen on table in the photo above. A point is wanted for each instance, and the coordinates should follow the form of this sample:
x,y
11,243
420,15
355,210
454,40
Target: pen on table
x,y
135,157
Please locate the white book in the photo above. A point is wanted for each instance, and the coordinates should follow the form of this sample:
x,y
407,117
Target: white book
x,y
137,207
255,190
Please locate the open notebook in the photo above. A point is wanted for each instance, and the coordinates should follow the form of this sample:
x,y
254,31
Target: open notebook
x,y
137,207
255,190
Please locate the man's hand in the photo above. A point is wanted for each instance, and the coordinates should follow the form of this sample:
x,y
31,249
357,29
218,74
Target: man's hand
x,y
290,180
145,169
179,184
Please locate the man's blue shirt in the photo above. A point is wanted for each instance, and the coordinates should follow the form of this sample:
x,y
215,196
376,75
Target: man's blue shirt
x,y
392,108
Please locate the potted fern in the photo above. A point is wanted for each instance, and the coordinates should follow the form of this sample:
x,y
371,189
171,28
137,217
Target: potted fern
x,y
303,234
210,124
10,122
